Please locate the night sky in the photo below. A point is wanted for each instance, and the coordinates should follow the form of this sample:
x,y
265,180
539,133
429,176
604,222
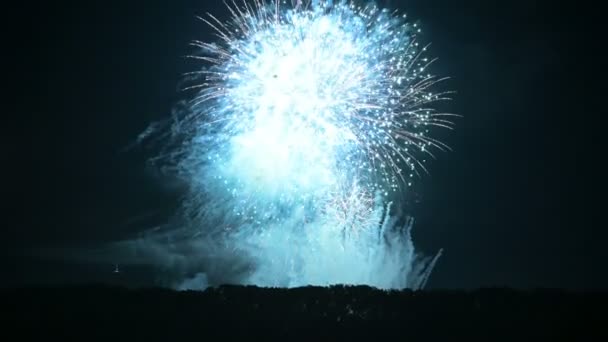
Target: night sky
x,y
516,203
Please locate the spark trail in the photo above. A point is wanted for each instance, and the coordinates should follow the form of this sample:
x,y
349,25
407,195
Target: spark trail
x,y
308,121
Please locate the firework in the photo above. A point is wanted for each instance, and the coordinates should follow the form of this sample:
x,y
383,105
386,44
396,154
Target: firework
x,y
306,119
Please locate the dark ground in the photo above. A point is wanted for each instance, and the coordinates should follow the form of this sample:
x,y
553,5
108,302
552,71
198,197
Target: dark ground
x,y
116,313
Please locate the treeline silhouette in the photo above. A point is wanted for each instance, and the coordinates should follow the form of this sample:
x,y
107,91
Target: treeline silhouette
x,y
99,312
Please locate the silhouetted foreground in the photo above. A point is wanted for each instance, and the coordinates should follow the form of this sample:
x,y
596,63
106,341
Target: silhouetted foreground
x,y
313,313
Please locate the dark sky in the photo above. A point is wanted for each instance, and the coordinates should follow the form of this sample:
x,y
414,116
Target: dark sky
x,y
515,204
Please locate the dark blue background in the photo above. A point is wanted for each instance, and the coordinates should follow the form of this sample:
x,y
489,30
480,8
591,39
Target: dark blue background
x,y
517,203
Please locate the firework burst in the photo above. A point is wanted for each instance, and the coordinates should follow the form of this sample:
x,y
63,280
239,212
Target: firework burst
x,y
307,117
342,87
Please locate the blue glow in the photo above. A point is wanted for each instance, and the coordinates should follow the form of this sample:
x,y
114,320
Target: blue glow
x,y
307,122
